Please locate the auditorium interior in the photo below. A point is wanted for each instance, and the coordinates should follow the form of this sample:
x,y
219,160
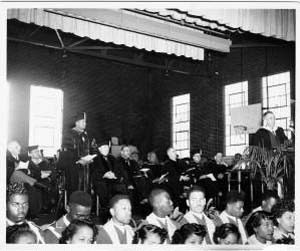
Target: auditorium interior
x,y
197,81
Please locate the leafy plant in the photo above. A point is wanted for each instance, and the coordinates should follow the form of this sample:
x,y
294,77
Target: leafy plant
x,y
271,165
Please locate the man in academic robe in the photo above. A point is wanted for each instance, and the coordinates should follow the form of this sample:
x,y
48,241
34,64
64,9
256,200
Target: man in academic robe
x,y
162,209
12,164
104,177
196,202
268,136
78,208
174,170
117,230
234,211
126,169
75,146
17,206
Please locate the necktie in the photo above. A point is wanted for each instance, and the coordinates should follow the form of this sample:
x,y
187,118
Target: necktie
x,y
203,223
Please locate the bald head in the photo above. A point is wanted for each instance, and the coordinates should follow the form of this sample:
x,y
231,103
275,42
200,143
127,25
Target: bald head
x,y
14,147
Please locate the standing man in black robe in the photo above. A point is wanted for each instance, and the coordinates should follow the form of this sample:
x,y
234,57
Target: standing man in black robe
x,y
75,146
268,136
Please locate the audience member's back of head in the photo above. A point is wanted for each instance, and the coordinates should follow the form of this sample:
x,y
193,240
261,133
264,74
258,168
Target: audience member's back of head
x,y
143,232
181,235
74,227
81,198
20,233
223,231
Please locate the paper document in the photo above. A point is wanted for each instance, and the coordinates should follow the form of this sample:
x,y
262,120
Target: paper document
x,y
88,157
22,165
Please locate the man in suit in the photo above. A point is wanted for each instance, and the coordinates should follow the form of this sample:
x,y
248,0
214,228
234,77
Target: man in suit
x,y
79,208
196,202
17,206
234,211
117,230
162,208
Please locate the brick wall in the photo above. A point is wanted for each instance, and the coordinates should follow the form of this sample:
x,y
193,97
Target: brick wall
x,y
133,103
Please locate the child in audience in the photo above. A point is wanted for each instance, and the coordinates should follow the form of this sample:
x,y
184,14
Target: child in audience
x,y
20,234
149,234
79,232
190,233
227,234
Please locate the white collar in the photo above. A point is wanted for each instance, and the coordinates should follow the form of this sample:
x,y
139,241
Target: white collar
x,y
65,220
230,216
122,228
11,223
200,216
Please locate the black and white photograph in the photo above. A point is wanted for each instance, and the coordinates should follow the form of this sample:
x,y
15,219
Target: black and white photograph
x,y
163,124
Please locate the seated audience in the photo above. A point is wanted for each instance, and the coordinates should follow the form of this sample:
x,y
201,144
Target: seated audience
x,y
269,199
284,215
196,202
190,233
79,208
149,234
227,234
79,232
117,230
262,227
20,234
162,208
234,211
17,208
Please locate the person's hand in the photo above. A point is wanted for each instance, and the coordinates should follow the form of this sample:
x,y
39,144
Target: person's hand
x,y
31,181
220,176
130,187
176,215
204,176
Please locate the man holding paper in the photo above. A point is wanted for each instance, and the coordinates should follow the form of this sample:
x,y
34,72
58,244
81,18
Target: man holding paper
x,y
74,158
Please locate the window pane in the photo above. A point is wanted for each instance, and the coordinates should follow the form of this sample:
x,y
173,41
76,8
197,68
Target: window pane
x,y
181,124
236,95
45,129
